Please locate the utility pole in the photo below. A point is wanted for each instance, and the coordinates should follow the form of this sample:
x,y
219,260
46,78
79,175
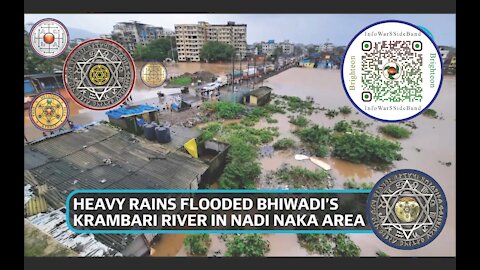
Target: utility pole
x,y
248,68
263,70
233,71
254,71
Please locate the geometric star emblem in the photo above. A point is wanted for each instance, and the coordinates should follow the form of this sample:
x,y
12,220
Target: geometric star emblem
x,y
94,90
390,220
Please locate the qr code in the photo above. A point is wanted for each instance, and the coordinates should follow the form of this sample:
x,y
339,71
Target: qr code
x,y
391,70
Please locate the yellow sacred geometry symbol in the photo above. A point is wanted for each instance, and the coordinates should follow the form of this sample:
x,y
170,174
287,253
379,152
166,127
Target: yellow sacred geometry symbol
x,y
153,74
407,209
49,111
99,75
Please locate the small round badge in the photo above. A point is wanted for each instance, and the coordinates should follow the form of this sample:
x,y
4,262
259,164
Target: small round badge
x,y
49,38
407,209
153,74
49,111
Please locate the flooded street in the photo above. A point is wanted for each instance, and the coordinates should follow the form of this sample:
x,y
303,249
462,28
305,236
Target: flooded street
x,y
430,145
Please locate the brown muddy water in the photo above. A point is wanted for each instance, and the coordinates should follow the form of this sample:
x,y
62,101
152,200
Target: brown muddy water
x,y
434,138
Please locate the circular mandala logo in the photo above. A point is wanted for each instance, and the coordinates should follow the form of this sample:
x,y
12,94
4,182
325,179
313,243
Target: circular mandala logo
x,y
49,111
48,38
153,74
99,74
392,71
407,209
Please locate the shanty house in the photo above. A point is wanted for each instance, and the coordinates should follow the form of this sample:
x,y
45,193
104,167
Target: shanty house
x,y
258,97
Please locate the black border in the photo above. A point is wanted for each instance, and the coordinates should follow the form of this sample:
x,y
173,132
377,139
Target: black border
x,y
13,99
240,6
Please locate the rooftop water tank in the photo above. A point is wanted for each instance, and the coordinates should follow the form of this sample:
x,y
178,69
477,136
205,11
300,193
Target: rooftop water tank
x,y
163,134
149,132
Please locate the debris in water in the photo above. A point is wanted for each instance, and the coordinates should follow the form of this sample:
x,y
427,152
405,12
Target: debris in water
x,y
418,149
266,150
448,163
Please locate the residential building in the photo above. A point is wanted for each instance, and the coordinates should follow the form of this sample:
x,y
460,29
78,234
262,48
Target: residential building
x,y
268,47
444,52
287,47
74,42
191,38
131,34
326,47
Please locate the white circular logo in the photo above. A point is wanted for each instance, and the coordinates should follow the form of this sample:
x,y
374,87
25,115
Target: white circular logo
x,y
48,38
392,71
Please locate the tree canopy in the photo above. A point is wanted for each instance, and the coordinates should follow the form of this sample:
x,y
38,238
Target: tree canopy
x,y
158,49
216,51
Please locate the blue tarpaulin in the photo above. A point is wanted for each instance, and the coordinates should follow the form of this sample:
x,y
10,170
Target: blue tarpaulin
x,y
133,110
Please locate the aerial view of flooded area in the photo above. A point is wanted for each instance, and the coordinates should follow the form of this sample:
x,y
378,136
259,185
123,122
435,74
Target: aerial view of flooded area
x,y
232,112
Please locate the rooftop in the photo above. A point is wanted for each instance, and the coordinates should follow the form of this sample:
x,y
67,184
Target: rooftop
x,y
100,156
103,157
261,91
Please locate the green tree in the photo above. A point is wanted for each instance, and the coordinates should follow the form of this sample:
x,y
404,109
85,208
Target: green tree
x,y
277,53
311,49
158,49
247,245
216,51
345,247
197,244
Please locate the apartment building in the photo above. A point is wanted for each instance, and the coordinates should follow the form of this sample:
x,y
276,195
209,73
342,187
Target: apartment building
x,y
131,34
191,37
268,47
287,47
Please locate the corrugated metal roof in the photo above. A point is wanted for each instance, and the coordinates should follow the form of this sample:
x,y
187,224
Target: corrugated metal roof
x,y
104,157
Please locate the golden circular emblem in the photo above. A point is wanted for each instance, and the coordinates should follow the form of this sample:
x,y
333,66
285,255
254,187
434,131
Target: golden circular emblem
x,y
99,74
153,74
407,209
49,111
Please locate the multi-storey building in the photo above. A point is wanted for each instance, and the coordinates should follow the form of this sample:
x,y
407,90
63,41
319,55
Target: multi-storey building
x,y
191,38
131,34
287,47
268,47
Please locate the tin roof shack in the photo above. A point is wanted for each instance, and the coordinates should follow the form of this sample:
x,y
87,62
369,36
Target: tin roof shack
x,y
100,156
132,118
190,101
258,97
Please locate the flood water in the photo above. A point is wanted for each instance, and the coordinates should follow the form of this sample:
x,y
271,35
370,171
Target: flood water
x,y
435,138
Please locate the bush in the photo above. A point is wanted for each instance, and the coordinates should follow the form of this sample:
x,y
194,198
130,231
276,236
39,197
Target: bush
x,y
181,81
318,243
283,144
299,121
351,184
247,245
359,124
430,113
364,148
345,110
331,113
333,244
342,126
345,247
229,110
381,253
210,131
317,138
197,244
296,104
395,131
299,176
